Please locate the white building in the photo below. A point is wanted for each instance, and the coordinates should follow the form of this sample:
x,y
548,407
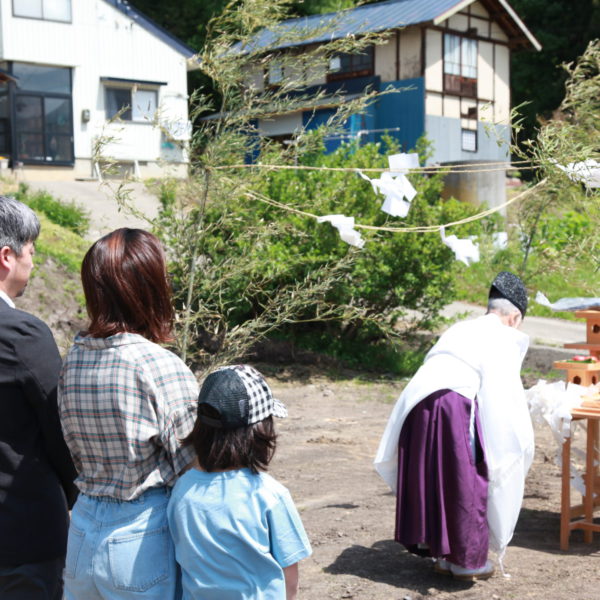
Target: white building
x,y
67,67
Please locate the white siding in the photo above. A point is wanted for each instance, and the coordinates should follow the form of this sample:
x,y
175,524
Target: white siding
x,y
103,42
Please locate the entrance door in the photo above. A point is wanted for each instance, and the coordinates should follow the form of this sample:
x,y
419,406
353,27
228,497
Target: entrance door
x,y
43,115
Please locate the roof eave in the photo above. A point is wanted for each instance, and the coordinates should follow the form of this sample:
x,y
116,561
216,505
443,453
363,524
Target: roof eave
x,y
506,6
137,16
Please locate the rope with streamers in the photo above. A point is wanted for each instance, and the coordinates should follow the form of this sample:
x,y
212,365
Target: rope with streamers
x,y
417,229
457,168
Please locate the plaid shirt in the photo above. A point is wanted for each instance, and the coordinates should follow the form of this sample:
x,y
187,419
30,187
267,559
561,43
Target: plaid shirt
x,y
125,403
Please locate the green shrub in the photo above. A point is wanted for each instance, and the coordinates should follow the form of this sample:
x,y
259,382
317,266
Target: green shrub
x,y
561,232
66,214
255,258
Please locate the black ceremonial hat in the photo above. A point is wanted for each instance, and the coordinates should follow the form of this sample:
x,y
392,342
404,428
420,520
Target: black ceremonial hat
x,y
509,286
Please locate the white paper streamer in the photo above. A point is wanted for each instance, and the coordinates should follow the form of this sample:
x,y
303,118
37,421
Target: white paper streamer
x,y
397,190
551,403
464,250
500,240
345,226
586,172
400,164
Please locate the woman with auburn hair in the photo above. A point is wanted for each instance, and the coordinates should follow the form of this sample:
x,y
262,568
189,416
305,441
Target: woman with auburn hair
x,y
125,404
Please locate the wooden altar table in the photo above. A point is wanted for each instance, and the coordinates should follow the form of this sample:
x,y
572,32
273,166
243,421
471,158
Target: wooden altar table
x,y
581,516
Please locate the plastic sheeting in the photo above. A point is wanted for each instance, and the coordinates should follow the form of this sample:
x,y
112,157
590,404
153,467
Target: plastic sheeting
x,y
568,304
551,404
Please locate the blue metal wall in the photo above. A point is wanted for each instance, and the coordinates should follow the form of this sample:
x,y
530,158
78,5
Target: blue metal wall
x,y
405,109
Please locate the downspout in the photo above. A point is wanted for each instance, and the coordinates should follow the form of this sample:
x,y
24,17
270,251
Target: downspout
x,y
398,55
12,123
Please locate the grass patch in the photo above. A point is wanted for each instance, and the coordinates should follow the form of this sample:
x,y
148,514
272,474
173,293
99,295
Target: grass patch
x,y
576,278
61,245
66,214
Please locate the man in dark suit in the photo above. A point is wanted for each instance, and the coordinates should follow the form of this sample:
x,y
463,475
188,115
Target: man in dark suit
x,y
36,471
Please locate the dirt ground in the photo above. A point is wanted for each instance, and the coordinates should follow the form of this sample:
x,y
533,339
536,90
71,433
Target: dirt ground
x,y
325,453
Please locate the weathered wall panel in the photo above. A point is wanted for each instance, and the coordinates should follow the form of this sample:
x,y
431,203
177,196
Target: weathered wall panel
x,y
498,33
385,59
445,134
478,9
452,107
481,26
434,104
433,61
281,125
410,53
458,22
485,71
502,85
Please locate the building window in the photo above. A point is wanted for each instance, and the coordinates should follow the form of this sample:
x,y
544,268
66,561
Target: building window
x,y
131,103
344,65
275,72
43,114
469,140
49,10
460,65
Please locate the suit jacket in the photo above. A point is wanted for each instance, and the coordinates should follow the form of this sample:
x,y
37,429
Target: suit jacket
x,y
36,471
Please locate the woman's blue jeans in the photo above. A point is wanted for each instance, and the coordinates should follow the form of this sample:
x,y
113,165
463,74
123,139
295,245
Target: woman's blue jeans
x,y
121,549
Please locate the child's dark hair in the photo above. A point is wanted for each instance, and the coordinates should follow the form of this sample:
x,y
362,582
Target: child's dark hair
x,y
217,449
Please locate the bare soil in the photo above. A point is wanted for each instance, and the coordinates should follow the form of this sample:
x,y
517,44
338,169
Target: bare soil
x,y
325,453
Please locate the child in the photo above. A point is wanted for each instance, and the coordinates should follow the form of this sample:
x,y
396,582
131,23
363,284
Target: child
x,y
236,530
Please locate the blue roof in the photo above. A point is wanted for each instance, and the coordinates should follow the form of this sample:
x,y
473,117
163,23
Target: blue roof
x,y
147,23
368,18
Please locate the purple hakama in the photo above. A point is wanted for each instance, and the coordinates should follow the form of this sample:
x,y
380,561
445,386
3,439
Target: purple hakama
x,y
442,489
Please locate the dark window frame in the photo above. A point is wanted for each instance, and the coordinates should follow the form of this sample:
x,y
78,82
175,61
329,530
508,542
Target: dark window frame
x,y
359,67
462,146
42,18
130,89
458,84
43,131
14,95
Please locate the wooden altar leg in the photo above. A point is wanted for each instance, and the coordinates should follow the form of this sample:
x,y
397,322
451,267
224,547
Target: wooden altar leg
x,y
590,454
565,500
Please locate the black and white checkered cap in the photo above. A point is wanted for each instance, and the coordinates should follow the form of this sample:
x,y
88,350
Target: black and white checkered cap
x,y
241,396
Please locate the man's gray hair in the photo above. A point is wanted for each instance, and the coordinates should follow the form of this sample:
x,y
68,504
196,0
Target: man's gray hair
x,y
19,225
502,306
